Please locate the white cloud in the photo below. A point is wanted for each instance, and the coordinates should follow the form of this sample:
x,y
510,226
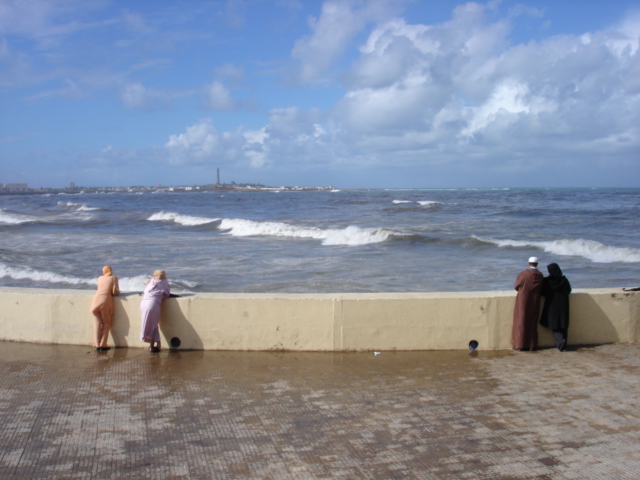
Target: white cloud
x,y
135,22
626,36
507,101
456,93
136,96
230,72
460,90
218,97
338,23
39,18
201,143
292,137
255,148
415,94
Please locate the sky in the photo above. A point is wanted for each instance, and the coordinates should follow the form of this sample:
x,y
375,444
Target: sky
x,y
347,93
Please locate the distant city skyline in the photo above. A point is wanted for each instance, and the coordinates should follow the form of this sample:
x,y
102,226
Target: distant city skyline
x,y
356,94
218,185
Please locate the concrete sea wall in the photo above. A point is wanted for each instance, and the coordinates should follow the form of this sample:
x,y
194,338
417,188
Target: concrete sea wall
x,y
314,322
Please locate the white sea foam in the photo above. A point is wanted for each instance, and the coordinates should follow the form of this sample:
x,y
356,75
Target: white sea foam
x,y
127,284
131,284
139,282
424,203
81,207
186,220
354,236
351,235
247,228
8,218
15,218
42,276
589,249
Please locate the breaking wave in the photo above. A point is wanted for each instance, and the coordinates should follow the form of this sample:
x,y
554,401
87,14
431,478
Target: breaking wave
x,y
81,207
42,276
350,236
354,236
247,228
589,249
237,227
186,220
127,284
423,203
9,218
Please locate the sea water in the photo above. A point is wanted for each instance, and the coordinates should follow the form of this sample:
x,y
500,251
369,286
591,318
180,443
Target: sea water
x,y
321,241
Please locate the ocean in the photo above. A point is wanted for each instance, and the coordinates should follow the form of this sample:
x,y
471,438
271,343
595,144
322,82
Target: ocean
x,y
444,240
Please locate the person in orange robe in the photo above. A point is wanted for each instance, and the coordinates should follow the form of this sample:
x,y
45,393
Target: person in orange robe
x,y
524,333
102,308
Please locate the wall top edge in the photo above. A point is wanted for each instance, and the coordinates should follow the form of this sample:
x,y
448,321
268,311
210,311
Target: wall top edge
x,y
303,296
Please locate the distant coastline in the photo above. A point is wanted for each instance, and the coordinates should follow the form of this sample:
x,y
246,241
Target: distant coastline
x,y
23,189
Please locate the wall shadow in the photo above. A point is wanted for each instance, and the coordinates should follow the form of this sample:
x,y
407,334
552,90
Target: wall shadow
x,y
589,324
121,324
174,325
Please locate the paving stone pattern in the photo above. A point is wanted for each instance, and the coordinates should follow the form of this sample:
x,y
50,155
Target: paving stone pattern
x,y
70,412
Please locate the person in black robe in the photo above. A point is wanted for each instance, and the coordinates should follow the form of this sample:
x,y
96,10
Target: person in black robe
x,y
555,313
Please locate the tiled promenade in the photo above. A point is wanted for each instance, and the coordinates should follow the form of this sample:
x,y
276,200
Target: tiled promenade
x,y
69,412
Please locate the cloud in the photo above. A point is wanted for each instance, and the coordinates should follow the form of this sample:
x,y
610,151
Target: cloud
x,y
624,36
50,45
338,23
293,137
228,71
201,144
235,13
135,22
137,97
218,97
460,95
43,19
456,96
507,102
459,90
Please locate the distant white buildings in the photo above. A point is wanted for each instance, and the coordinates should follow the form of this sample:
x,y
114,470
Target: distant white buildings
x,y
14,187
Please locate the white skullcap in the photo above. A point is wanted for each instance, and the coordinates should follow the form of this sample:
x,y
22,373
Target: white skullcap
x,y
533,260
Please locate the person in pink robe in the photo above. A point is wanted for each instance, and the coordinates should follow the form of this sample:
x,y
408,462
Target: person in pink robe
x,y
102,308
524,333
156,290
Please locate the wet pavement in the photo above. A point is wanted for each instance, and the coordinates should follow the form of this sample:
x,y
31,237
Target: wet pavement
x,y
70,412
